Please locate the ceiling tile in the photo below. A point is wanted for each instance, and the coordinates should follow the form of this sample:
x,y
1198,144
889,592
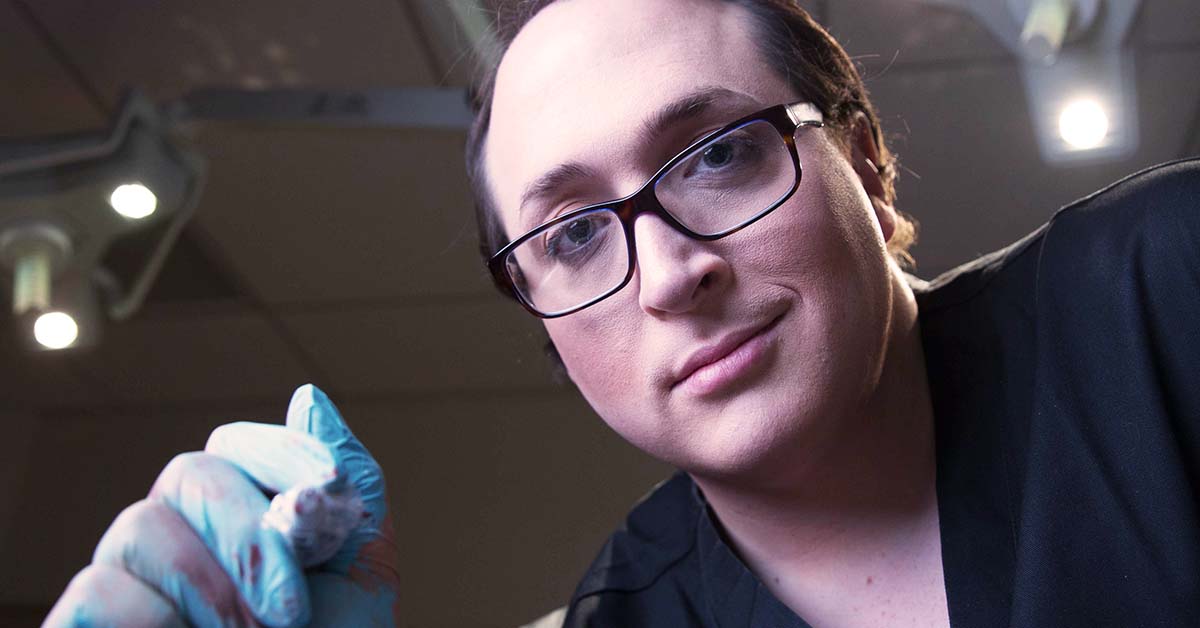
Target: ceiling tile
x,y
171,47
40,379
49,101
891,33
319,214
194,355
1169,22
445,346
971,173
189,274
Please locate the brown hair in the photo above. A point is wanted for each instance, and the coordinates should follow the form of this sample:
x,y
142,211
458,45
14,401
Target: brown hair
x,y
813,63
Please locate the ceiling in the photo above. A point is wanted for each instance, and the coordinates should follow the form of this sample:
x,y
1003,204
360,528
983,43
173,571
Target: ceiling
x,y
347,257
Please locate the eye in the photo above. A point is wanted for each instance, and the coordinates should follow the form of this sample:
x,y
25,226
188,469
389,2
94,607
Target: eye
x,y
570,239
579,231
732,155
718,155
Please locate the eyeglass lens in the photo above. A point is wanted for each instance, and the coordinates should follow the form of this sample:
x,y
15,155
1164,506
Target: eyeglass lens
x,y
719,186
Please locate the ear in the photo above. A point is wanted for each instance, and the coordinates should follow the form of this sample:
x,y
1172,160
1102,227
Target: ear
x,y
864,157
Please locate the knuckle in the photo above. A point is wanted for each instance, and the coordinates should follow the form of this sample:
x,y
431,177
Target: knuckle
x,y
89,581
138,522
186,465
84,597
103,595
220,436
141,514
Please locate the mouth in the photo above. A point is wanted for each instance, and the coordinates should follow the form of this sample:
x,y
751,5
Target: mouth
x,y
714,367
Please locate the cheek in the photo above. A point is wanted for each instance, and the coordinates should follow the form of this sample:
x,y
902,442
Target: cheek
x,y
828,248
606,358
817,241
597,351
833,236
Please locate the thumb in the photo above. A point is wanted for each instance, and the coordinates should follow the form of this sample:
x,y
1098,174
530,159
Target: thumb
x,y
311,411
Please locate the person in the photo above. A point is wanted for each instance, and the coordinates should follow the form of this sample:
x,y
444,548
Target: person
x,y
696,197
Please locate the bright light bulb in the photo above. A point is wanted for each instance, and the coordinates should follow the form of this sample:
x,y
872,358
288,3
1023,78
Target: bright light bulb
x,y
133,200
55,330
1083,124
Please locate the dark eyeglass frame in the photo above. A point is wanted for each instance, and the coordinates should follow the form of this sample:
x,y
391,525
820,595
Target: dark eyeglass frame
x,y
785,118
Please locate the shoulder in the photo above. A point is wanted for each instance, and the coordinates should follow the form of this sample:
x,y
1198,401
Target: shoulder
x,y
1096,306
1166,191
1148,221
626,580
1152,216
1131,250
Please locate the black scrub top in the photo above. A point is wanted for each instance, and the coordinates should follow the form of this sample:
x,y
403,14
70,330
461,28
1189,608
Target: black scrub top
x,y
1065,377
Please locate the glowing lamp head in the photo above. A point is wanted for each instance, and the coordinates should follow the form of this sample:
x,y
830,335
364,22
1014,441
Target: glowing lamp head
x,y
1083,124
55,330
133,200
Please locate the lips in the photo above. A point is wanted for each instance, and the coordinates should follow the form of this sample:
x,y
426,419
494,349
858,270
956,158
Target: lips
x,y
717,355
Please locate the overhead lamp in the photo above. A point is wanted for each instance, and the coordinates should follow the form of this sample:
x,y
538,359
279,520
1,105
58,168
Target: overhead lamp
x,y
133,200
55,330
1083,123
1084,107
1078,77
87,220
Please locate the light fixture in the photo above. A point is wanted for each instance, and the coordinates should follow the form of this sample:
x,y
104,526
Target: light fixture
x,y
55,330
87,220
1084,107
1083,124
1067,48
133,200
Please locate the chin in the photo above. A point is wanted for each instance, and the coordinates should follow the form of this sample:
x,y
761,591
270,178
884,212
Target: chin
x,y
752,442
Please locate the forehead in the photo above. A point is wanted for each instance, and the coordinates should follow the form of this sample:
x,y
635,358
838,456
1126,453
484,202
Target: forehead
x,y
583,77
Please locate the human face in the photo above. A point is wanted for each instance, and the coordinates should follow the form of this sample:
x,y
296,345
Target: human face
x,y
786,320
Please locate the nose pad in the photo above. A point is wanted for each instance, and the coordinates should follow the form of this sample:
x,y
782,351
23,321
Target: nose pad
x,y
675,273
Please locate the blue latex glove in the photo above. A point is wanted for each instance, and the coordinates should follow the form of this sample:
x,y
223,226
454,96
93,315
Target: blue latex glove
x,y
161,561
358,586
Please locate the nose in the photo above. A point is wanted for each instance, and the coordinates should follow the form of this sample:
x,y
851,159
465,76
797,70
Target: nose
x,y
676,274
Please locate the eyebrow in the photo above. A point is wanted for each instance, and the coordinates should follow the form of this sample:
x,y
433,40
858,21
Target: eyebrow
x,y
553,179
682,109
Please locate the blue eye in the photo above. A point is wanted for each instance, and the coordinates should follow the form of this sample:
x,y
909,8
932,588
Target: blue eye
x,y
571,238
718,155
733,155
579,231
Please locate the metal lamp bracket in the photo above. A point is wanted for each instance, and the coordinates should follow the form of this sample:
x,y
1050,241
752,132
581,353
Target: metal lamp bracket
x,y
1036,30
50,225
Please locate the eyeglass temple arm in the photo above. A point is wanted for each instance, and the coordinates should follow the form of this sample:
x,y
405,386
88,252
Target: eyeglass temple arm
x,y
805,114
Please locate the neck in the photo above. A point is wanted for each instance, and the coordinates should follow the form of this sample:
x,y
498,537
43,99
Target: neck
x,y
869,491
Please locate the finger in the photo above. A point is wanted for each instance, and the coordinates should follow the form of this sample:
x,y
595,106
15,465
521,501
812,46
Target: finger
x,y
153,543
310,411
275,457
102,595
224,508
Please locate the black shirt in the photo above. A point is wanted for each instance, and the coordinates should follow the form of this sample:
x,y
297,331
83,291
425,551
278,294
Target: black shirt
x,y
1065,377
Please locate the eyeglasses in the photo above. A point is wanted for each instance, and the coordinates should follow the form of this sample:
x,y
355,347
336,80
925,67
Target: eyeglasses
x,y
719,185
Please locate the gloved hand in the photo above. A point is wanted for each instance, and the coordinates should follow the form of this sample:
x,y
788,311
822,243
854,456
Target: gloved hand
x,y
196,551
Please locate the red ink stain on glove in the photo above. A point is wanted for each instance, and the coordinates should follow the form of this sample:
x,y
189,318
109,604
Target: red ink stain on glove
x,y
255,563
